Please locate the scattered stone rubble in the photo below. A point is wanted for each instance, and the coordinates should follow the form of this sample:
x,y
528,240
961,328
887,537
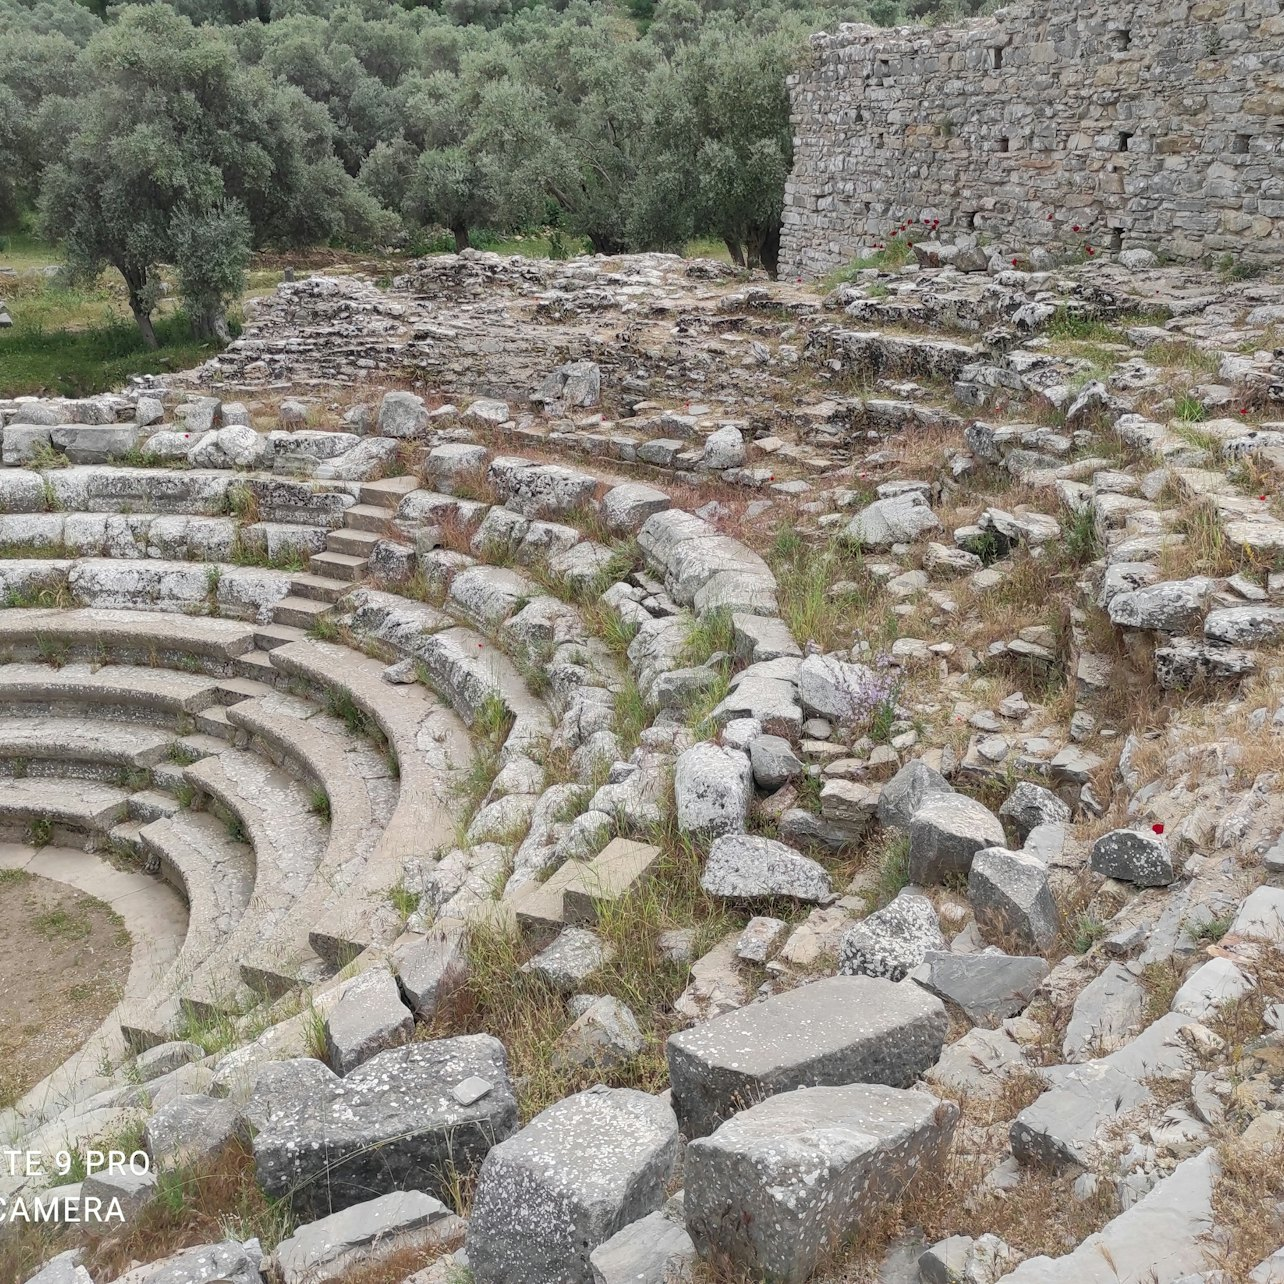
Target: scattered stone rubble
x,y
983,916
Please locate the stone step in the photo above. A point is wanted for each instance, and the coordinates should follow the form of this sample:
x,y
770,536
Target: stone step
x,y
231,690
215,876
90,740
620,867
256,666
300,612
429,744
269,636
354,543
150,804
213,722
387,493
318,588
323,752
125,691
81,807
370,517
338,566
99,632
272,810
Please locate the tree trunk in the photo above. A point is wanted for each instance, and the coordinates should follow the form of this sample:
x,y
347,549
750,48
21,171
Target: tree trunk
x,y
210,323
144,320
769,247
461,237
733,248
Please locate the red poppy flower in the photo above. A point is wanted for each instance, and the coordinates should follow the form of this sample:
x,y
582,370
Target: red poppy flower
x,y
910,244
1159,829
1243,410
926,221
1262,498
1014,262
1076,227
1089,249
895,235
1049,218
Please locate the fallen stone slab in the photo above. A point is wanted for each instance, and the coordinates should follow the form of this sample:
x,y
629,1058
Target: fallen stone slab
x,y
845,1029
333,1246
945,833
570,960
1161,1239
803,1171
1029,805
577,1174
393,1123
369,1018
604,1035
654,1250
1108,1012
225,1263
744,867
1210,987
429,967
988,988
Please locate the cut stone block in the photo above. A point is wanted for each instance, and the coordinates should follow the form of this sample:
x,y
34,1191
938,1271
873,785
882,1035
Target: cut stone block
x,y
804,1170
393,1124
987,987
845,1029
577,1174
369,1018
620,867
946,832
341,1243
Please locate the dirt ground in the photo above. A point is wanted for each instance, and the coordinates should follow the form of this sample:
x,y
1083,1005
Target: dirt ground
x,y
64,959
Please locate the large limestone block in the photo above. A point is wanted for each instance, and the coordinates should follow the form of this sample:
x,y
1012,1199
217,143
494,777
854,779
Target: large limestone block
x,y
392,1124
780,1184
845,1029
945,834
578,1173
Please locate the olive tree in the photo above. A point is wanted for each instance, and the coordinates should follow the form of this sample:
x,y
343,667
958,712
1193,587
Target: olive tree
x,y
173,128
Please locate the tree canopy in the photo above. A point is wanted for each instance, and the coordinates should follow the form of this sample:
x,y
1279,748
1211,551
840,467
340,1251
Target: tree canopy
x,y
187,132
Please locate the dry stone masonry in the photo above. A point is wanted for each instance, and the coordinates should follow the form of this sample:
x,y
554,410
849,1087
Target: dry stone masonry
x,y
1150,127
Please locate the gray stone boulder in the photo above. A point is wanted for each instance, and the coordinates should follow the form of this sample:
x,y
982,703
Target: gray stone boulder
x,y
803,1172
987,987
577,385
712,788
845,1029
402,414
66,1269
774,762
1245,625
450,463
1133,857
344,1242
570,960
193,1129
1012,898
1209,988
892,941
540,490
833,689
1189,660
906,792
759,638
626,507
394,1123
744,867
945,833
900,519
724,448
654,1250
1174,606
604,1035
1030,805
575,1176
369,1018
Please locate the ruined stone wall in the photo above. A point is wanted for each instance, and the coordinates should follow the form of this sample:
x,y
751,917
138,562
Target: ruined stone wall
x,y
1157,124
